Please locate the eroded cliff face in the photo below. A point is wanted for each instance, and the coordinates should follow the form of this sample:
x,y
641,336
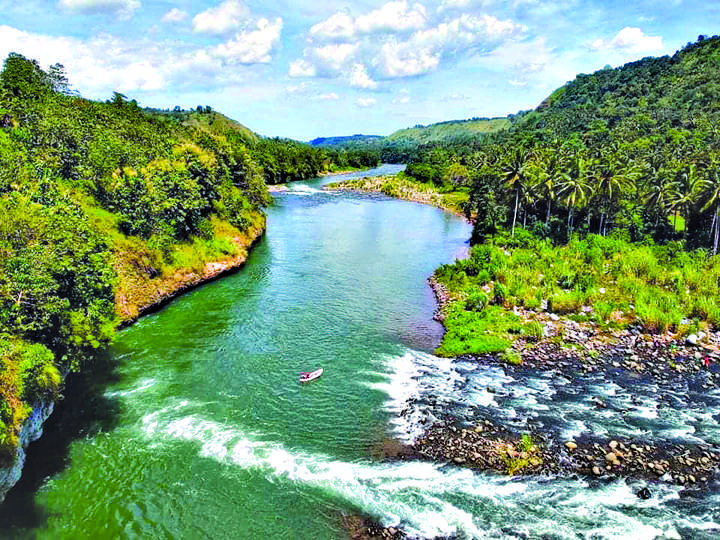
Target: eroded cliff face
x,y
31,431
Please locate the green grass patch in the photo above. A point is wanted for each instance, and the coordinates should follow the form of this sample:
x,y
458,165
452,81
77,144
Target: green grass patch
x,y
603,279
473,332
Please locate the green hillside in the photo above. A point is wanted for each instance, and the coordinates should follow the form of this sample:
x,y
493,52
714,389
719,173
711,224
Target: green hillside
x,y
448,131
603,205
349,140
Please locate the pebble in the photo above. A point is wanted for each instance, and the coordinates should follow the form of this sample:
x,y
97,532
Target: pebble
x,y
571,445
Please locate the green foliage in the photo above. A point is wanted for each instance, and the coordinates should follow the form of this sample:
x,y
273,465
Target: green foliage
x,y
608,279
511,357
27,375
521,457
471,332
95,193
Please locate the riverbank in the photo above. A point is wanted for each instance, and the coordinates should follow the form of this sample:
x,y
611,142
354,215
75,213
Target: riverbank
x,y
144,287
400,187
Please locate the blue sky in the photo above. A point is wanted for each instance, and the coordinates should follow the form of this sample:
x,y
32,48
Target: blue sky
x,y
304,69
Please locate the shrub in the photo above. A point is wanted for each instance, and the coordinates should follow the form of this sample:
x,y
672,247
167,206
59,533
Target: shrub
x,y
511,357
534,330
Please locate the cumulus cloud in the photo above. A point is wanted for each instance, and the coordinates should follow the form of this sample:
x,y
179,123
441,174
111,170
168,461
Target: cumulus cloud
x,y
175,15
252,46
397,16
397,40
104,63
229,16
360,78
334,57
366,102
630,39
302,68
122,7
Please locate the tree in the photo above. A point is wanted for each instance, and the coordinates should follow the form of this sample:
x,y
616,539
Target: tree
x,y
575,189
515,173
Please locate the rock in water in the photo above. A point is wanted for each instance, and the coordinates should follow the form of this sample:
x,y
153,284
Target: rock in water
x,y
644,494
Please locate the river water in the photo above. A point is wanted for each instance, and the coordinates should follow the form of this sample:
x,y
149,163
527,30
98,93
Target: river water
x,y
195,426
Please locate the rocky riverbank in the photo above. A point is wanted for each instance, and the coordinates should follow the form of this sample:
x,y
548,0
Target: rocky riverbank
x,y
401,188
143,291
489,447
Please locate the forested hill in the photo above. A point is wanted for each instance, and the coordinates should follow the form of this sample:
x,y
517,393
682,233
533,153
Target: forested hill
x,y
347,140
636,99
457,131
106,208
634,149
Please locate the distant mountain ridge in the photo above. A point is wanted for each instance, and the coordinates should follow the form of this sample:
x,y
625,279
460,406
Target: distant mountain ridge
x,y
451,130
347,139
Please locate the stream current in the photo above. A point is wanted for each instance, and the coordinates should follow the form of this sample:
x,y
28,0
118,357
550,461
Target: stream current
x,y
195,426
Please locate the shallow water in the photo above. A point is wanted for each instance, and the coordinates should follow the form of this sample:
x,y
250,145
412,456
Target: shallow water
x,y
198,427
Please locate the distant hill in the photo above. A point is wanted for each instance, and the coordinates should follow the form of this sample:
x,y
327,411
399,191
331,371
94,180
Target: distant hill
x,y
395,147
211,122
354,140
451,130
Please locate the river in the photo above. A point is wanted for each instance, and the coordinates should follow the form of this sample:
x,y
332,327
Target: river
x,y
195,425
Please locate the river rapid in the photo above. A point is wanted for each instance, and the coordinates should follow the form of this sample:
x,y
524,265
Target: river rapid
x,y
195,425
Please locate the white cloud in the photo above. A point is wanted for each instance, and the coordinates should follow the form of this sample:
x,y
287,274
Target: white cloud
x,y
359,78
223,19
334,56
252,46
376,46
123,7
340,25
630,39
366,102
392,17
406,60
104,63
403,97
302,68
332,96
175,15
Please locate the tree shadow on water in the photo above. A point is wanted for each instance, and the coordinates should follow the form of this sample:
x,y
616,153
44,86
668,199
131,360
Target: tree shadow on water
x,y
84,412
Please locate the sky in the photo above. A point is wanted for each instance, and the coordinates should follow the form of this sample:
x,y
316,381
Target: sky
x,y
304,69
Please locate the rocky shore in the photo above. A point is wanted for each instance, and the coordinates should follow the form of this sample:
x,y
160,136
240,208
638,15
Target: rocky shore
x,y
489,447
576,349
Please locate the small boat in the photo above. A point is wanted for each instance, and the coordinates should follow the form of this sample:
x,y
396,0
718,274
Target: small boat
x,y
307,376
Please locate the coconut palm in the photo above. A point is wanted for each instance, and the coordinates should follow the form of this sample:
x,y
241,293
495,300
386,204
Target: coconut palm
x,y
516,177
685,190
575,190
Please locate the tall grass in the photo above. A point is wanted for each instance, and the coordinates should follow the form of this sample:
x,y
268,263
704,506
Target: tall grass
x,y
611,280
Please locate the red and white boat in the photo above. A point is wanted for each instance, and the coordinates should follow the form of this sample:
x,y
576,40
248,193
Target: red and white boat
x,y
307,376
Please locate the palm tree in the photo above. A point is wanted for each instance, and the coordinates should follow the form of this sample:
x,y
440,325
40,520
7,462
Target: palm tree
x,y
515,175
575,189
711,190
548,173
613,177
685,190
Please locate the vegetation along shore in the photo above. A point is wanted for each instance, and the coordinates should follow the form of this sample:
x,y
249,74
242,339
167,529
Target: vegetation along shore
x,y
595,251
109,211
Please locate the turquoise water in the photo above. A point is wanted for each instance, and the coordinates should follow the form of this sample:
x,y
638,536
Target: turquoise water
x,y
195,425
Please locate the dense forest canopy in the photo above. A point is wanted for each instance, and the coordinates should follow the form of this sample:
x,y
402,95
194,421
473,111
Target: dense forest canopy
x,y
635,149
89,189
